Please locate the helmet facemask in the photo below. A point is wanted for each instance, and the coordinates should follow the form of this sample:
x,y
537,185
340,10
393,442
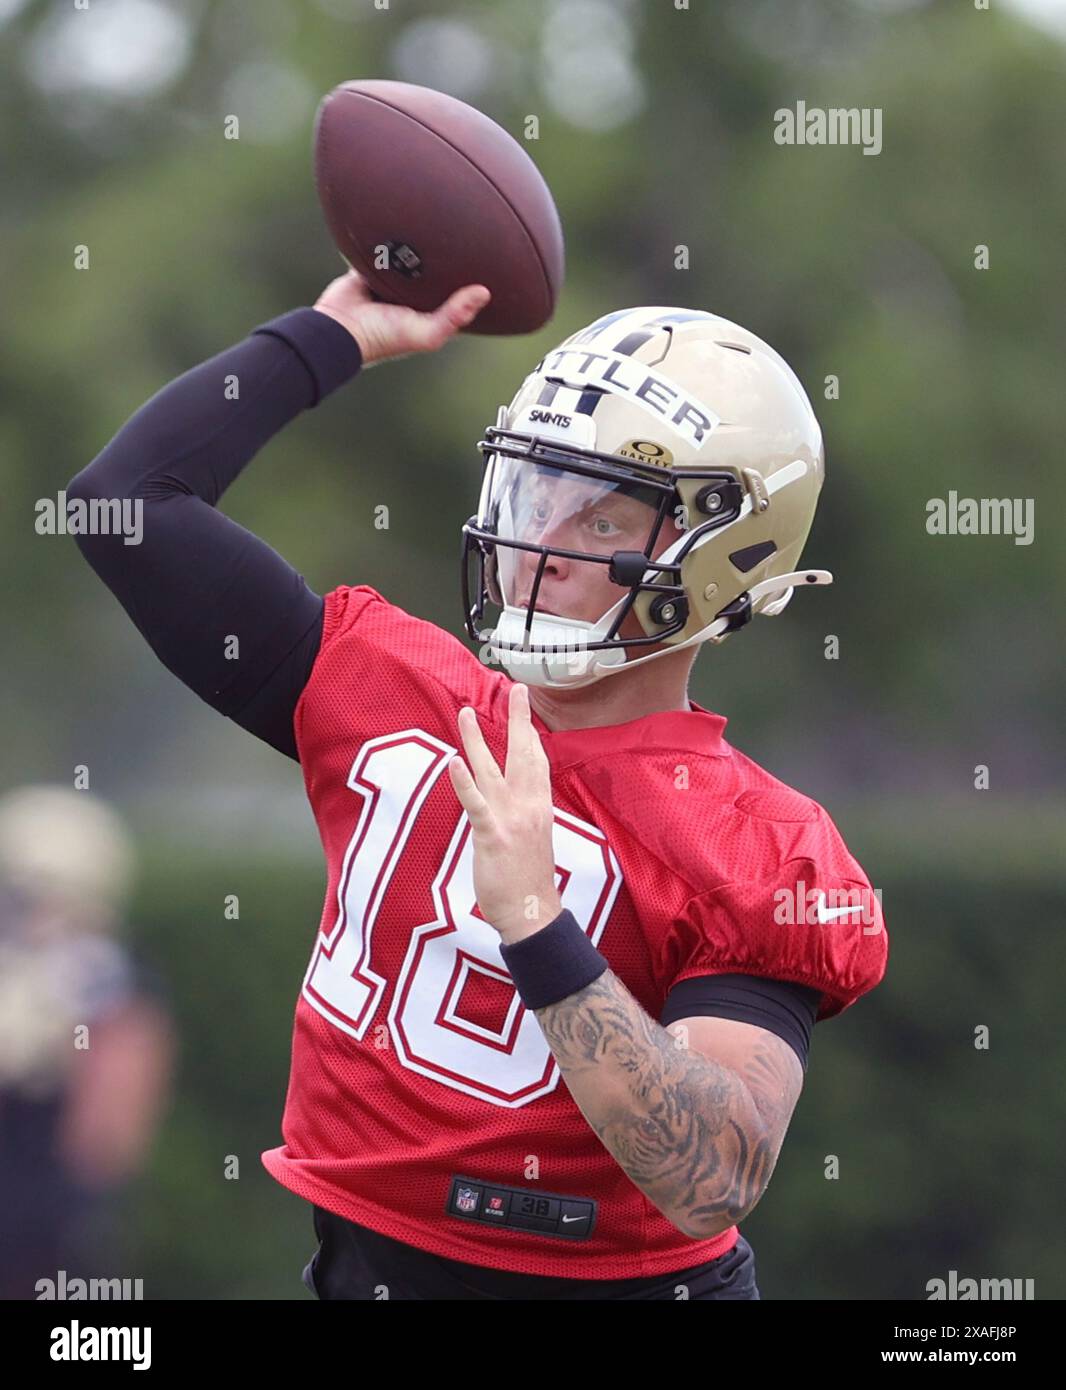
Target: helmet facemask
x,y
547,507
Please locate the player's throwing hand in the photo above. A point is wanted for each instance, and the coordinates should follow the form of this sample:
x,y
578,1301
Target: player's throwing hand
x,y
392,330
511,820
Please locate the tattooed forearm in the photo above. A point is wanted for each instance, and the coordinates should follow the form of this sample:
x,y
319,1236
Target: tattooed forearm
x,y
774,1076
697,1138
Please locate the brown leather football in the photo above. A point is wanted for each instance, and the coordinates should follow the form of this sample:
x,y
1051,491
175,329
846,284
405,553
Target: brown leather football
x,y
424,194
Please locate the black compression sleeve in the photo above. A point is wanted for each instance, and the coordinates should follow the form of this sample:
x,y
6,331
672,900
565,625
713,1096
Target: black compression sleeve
x,y
784,1008
218,606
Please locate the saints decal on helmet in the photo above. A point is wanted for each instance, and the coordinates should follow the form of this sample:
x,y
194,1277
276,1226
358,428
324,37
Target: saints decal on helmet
x,y
671,452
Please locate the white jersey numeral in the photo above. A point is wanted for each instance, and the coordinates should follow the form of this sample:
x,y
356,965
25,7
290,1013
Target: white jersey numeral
x,y
508,1064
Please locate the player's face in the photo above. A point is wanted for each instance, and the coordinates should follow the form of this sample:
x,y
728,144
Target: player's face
x,y
581,514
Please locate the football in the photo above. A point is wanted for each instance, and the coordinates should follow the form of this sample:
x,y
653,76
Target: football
x,y
423,194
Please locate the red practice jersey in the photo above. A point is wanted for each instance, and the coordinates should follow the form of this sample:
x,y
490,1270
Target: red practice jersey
x,y
414,1061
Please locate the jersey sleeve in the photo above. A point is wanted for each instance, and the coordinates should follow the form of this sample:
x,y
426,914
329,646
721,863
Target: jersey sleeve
x,y
375,657
813,919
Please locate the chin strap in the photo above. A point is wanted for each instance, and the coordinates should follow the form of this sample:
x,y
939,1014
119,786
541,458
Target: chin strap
x,y
741,610
535,671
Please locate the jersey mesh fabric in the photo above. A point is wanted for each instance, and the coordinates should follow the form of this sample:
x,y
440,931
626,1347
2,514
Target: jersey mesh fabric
x,y
413,1060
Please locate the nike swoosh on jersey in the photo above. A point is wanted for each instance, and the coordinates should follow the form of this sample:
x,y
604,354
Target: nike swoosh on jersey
x,y
830,914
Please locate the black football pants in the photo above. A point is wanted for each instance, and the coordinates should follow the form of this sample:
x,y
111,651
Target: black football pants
x,y
358,1264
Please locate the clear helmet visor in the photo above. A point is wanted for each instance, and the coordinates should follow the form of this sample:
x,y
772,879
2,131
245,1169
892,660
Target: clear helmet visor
x,y
572,516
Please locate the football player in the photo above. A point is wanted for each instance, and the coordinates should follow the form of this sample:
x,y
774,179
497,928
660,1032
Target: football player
x,y
76,1123
557,1012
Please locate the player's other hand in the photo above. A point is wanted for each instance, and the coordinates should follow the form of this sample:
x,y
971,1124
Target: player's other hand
x,y
391,330
511,817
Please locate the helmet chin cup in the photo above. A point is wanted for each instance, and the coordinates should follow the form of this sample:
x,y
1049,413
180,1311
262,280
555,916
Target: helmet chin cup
x,y
562,657
556,672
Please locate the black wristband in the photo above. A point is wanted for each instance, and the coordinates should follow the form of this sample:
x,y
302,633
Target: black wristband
x,y
553,963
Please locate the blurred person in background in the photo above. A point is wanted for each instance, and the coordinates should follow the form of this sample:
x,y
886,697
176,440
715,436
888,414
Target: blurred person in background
x,y
85,1042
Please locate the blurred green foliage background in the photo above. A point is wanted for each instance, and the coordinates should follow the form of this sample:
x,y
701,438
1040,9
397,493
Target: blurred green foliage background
x,y
656,130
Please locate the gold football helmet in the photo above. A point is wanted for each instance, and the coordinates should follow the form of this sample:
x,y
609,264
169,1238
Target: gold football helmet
x,y
669,447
